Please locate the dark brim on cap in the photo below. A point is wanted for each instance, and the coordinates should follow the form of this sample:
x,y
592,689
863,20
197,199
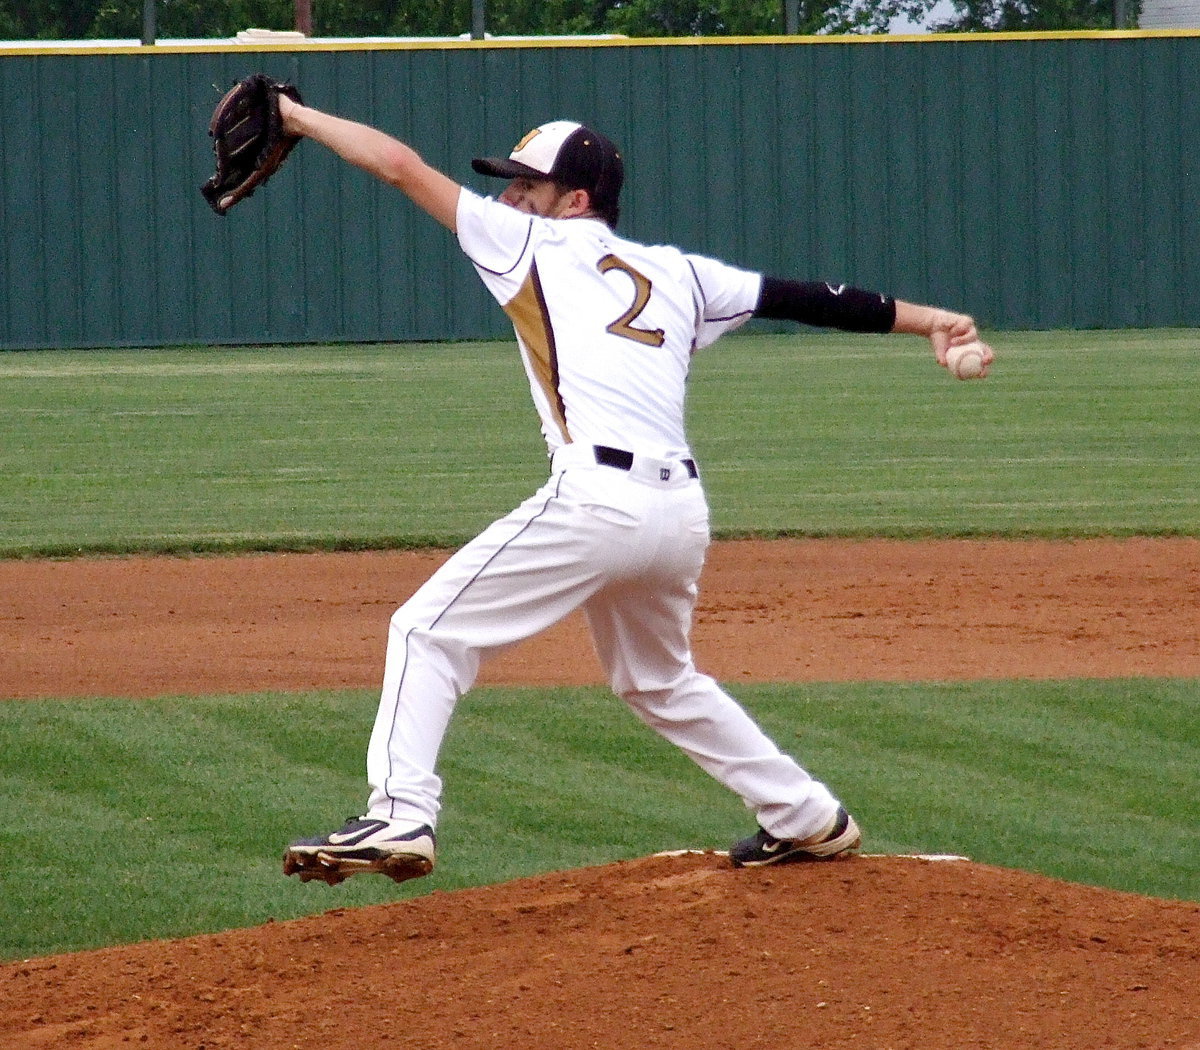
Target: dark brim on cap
x,y
503,168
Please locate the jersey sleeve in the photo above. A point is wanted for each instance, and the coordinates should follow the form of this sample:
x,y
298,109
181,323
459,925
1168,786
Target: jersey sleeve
x,y
727,297
495,237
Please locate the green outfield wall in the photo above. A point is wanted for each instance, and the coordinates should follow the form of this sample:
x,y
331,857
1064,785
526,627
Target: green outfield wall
x,y
1038,181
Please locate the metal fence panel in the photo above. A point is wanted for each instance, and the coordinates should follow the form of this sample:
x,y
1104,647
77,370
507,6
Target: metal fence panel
x,y
1037,181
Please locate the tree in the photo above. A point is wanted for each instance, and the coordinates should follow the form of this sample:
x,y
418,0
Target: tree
x,y
48,19
391,17
999,15
755,17
122,19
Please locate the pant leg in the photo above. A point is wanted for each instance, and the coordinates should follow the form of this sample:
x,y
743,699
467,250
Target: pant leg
x,y
522,574
641,628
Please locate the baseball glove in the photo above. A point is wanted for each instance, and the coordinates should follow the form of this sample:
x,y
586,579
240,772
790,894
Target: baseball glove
x,y
248,140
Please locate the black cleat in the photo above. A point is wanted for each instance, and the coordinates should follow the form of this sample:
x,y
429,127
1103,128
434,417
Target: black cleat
x,y
398,849
842,837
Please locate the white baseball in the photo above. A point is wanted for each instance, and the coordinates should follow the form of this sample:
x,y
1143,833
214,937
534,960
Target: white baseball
x,y
966,361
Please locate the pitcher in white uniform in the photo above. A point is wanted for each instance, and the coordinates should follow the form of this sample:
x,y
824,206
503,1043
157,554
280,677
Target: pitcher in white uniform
x,y
606,329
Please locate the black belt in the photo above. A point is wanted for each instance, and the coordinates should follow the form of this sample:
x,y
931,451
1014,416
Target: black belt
x,y
622,460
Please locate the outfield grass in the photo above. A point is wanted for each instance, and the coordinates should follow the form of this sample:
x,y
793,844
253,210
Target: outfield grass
x,y
1081,433
271,448
131,820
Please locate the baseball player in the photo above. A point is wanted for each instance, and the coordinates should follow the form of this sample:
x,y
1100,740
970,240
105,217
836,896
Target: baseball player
x,y
606,329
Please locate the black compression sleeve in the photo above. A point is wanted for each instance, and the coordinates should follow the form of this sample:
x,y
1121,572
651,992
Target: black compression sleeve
x,y
825,305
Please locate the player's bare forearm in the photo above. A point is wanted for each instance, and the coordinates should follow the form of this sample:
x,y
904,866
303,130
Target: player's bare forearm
x,y
931,320
379,154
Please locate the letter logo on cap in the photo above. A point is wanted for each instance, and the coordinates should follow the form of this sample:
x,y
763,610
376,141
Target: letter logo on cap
x,y
526,140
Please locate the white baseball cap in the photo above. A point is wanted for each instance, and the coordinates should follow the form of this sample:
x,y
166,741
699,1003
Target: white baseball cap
x,y
569,153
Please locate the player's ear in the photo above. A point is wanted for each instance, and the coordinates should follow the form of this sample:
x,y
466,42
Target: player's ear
x,y
574,203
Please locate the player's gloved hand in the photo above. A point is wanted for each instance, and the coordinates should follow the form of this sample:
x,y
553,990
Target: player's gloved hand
x,y
249,140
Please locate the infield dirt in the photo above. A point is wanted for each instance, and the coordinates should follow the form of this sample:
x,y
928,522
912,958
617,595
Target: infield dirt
x,y
677,952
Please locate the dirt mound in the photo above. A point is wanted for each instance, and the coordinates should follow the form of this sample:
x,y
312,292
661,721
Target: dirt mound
x,y
662,952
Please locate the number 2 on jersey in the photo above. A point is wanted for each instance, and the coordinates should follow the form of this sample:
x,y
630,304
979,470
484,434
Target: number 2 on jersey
x,y
623,325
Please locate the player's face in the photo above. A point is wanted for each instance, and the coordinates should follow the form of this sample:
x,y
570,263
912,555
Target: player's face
x,y
534,197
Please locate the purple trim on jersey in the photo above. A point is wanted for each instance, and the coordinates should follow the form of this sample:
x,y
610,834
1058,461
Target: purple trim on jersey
x,y
520,255
704,301
699,286
551,346
730,317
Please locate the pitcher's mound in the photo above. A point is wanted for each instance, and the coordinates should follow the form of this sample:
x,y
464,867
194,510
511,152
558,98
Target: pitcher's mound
x,y
670,951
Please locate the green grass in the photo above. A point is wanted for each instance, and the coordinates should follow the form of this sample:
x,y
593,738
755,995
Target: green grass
x,y
133,820
272,448
1080,433
1083,433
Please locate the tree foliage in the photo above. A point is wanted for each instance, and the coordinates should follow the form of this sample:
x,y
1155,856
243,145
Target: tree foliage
x,y
753,17
122,19
997,15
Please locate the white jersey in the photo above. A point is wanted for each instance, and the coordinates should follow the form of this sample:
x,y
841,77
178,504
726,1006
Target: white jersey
x,y
606,326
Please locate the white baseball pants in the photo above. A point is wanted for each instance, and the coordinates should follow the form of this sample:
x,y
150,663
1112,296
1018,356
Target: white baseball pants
x,y
627,546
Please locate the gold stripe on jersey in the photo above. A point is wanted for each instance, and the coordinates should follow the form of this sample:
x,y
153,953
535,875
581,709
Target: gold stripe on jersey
x,y
530,317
